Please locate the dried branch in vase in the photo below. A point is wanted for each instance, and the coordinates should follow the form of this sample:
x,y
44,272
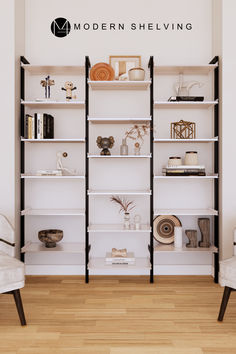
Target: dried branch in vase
x,y
125,205
138,131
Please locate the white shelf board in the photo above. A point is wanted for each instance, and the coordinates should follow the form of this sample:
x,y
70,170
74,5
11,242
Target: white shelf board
x,y
119,85
119,156
62,247
54,104
118,120
166,104
99,263
27,176
186,177
184,69
193,212
54,69
53,212
53,140
121,192
116,228
168,140
171,248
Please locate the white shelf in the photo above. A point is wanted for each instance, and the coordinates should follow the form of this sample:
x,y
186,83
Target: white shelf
x,y
61,247
121,192
171,248
99,263
54,69
210,140
184,104
186,177
54,104
53,140
118,120
27,176
184,69
203,212
119,156
53,212
119,85
116,228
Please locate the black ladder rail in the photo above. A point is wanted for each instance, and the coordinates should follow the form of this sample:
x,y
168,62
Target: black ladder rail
x,y
87,245
215,60
151,68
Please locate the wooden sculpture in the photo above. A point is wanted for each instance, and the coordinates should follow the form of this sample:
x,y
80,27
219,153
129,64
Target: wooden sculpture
x,y
119,253
192,236
204,226
47,83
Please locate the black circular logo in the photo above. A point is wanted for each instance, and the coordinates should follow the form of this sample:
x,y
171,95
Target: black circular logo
x,y
60,27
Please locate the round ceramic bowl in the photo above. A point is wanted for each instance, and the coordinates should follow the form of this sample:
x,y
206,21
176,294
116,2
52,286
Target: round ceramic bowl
x,y
50,237
136,74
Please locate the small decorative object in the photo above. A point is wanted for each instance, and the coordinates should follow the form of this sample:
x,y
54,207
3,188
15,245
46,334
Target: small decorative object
x,y
122,64
183,130
191,158
204,226
137,148
60,167
192,236
102,72
136,74
119,253
137,133
105,144
50,237
69,87
49,173
124,148
163,228
126,206
119,259
47,83
178,237
174,161
182,88
137,222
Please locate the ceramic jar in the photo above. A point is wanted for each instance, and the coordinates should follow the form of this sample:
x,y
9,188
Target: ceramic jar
x,y
136,74
191,158
174,161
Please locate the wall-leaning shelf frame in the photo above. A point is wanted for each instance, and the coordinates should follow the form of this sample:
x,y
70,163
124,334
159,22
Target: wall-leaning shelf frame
x,y
37,247
98,263
212,67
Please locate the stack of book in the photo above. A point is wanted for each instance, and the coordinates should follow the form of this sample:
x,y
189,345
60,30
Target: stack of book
x,y
129,259
39,126
184,170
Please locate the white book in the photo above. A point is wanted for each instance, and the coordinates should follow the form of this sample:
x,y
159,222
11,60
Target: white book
x,y
130,258
185,167
39,118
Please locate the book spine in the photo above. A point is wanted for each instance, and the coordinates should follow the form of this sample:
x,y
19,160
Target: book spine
x,y
33,128
26,127
50,127
44,132
29,127
41,126
38,125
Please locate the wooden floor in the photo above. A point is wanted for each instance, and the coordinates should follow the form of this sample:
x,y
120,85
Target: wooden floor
x,y
118,315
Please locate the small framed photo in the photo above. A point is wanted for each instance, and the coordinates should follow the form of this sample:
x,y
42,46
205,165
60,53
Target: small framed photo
x,y
123,63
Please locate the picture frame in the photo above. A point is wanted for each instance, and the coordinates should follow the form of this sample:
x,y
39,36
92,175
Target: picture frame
x,y
123,63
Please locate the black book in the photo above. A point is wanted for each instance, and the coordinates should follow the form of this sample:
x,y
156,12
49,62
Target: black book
x,y
48,126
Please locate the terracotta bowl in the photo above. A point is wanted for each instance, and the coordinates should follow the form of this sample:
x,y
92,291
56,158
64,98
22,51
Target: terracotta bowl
x,y
50,237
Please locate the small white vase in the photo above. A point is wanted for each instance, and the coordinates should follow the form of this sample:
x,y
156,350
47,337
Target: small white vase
x,y
126,221
124,148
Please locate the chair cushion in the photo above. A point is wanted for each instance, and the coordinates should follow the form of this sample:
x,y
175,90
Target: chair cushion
x,y
12,273
228,272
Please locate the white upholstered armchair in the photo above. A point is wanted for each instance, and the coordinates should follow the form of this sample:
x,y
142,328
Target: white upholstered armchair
x,y
12,273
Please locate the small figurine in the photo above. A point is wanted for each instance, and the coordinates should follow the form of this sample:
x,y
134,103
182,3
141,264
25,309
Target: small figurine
x,y
47,83
137,148
105,144
69,87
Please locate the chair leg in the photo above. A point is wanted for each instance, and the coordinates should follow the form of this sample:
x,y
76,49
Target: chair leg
x,y
224,302
19,306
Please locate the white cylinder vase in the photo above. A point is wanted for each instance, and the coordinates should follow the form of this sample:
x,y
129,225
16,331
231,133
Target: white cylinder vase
x,y
178,237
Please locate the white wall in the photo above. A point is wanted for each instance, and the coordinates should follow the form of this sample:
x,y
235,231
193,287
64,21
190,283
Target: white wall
x,y
224,32
12,19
